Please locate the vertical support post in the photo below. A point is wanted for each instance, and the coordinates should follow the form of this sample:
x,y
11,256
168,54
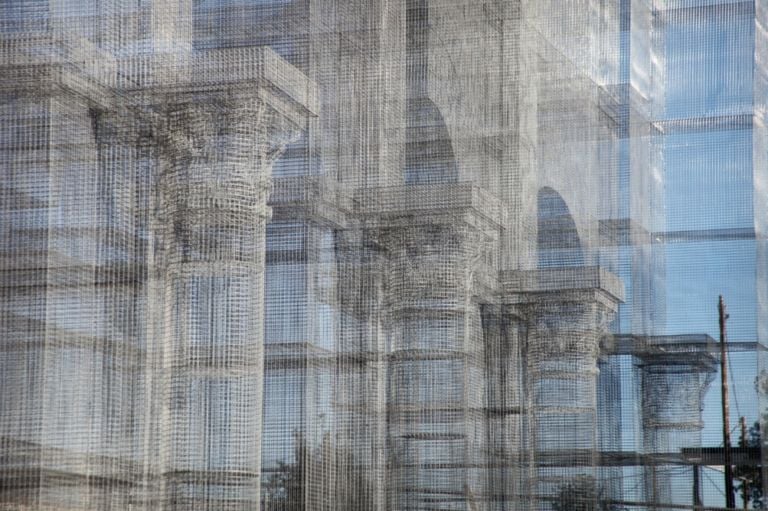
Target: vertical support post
x,y
696,486
743,443
730,500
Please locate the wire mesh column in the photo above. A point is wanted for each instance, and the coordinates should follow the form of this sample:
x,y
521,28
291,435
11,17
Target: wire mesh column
x,y
563,349
360,391
567,312
505,425
436,365
676,373
213,211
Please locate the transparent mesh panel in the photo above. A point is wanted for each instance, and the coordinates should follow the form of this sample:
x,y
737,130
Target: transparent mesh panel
x,y
386,255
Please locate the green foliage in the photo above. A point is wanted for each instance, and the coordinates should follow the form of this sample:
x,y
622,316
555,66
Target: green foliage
x,y
750,477
582,494
321,479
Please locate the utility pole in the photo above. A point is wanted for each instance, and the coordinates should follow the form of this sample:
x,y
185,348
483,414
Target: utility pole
x,y
744,481
730,500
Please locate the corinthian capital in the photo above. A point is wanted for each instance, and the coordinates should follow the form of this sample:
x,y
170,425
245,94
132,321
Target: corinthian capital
x,y
217,121
218,154
232,135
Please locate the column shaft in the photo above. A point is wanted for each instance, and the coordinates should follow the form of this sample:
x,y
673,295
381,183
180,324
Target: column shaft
x,y
213,212
435,368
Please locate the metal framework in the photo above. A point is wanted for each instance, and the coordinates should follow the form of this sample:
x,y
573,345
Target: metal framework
x,y
357,255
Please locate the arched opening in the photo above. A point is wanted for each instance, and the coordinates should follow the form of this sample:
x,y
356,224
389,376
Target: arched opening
x,y
558,240
429,157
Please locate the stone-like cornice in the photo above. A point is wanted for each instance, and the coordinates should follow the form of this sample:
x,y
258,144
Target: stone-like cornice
x,y
223,74
672,353
431,201
561,284
317,198
43,63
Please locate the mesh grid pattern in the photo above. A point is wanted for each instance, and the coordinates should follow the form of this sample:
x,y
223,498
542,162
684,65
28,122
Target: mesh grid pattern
x,y
382,255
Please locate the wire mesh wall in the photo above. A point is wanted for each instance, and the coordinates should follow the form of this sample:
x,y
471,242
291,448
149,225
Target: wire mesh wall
x,y
380,254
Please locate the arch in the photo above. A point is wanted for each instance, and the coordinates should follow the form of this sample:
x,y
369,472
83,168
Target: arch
x,y
558,243
429,157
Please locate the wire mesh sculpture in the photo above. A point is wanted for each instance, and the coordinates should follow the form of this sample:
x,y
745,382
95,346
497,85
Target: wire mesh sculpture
x,y
374,254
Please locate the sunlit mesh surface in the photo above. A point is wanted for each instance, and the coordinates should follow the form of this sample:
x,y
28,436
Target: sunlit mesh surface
x,y
351,255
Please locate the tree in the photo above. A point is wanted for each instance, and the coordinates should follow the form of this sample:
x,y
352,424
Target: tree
x,y
582,494
751,476
321,479
284,490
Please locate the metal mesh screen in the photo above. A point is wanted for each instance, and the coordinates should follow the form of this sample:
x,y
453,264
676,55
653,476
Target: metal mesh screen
x,y
361,255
